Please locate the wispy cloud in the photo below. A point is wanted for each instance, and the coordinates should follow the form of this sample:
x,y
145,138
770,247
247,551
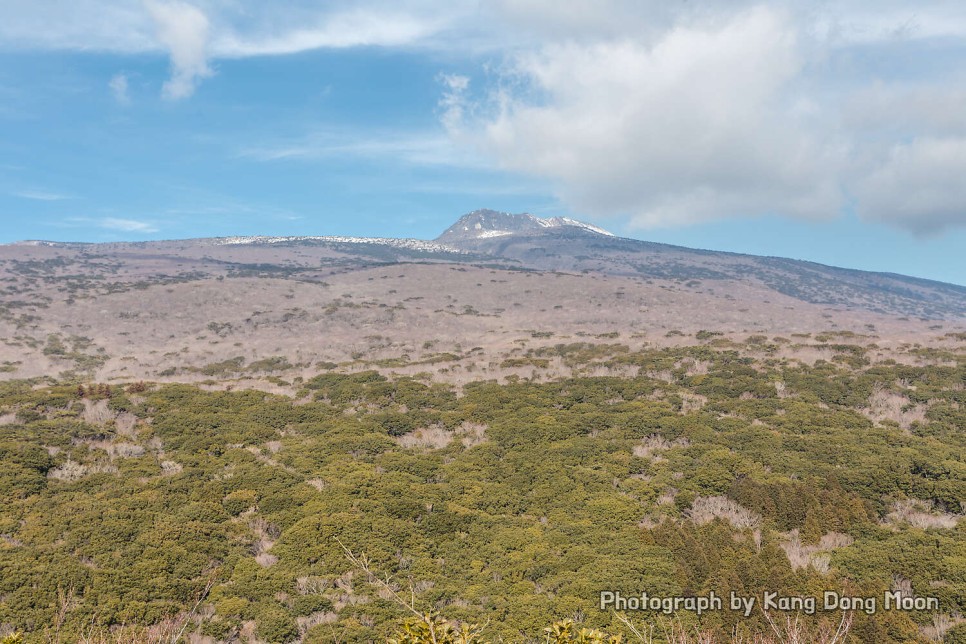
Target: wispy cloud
x,y
119,89
239,28
352,28
40,195
114,224
453,102
193,32
126,225
422,148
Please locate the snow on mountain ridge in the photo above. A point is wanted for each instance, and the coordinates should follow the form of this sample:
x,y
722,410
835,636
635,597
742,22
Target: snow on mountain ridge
x,y
567,221
408,244
483,224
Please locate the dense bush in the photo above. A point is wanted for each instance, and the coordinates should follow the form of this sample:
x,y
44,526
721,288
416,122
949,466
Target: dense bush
x,y
224,507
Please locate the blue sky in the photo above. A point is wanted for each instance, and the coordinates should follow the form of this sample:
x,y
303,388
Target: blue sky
x,y
779,129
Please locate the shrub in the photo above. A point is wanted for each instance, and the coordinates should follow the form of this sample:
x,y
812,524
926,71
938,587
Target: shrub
x,y
238,501
275,625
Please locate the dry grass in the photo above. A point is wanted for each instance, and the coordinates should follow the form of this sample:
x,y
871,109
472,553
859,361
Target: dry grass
x,y
940,625
649,522
125,450
433,437
784,629
115,449
266,559
815,556
97,413
311,585
708,508
321,617
74,471
170,468
265,534
693,367
920,514
166,329
273,447
654,444
471,434
884,405
668,496
692,402
318,484
126,425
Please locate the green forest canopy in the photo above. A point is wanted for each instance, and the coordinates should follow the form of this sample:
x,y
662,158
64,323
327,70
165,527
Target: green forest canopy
x,y
506,505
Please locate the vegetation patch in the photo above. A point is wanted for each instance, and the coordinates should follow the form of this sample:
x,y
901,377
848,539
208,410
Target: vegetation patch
x,y
508,506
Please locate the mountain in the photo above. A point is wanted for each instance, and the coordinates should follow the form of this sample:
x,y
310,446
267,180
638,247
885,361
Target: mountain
x,y
562,244
487,224
559,244
469,301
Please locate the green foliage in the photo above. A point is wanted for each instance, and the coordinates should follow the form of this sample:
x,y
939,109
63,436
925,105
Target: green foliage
x,y
566,631
706,335
276,625
543,494
956,635
433,629
238,500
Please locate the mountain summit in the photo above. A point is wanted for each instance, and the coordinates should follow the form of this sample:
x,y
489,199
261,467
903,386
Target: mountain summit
x,y
483,224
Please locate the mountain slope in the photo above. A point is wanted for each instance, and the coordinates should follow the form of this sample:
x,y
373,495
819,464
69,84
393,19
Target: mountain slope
x,y
521,241
576,247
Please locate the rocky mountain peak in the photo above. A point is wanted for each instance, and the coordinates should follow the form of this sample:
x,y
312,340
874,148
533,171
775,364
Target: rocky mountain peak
x,y
485,223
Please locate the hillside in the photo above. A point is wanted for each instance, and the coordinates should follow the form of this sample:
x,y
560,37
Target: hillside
x,y
568,245
315,439
176,308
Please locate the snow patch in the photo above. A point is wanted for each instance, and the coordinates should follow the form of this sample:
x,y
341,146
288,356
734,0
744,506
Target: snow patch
x,y
494,233
567,221
544,223
405,244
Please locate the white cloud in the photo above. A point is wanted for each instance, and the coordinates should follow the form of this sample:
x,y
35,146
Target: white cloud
x,y
126,225
907,107
918,185
666,112
675,113
910,154
119,89
701,124
183,29
581,20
